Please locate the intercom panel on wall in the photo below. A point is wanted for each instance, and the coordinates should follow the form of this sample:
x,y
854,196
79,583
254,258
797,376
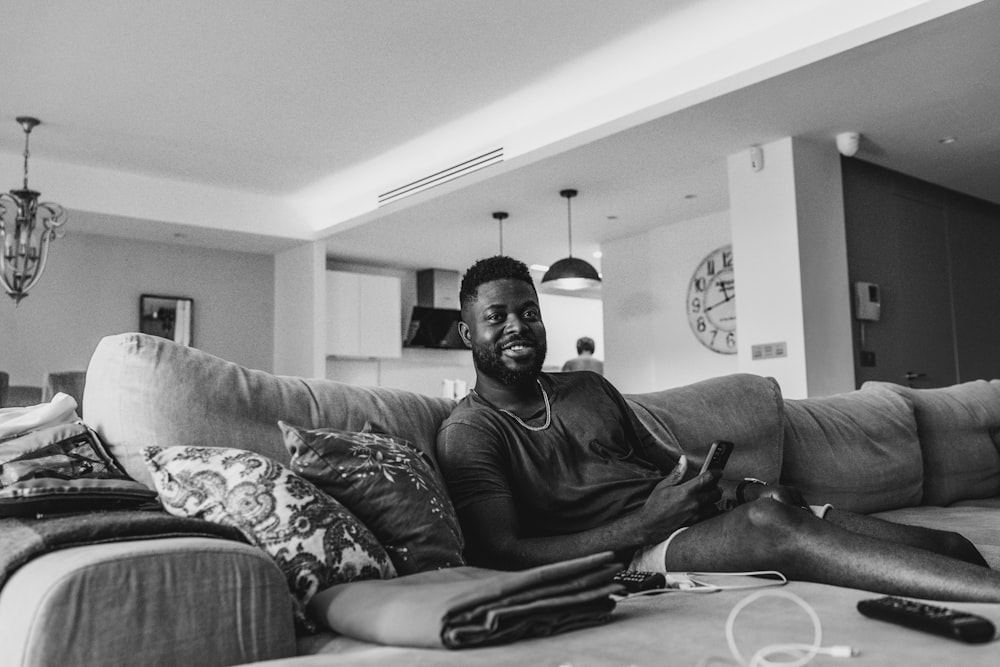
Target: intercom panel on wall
x,y
867,301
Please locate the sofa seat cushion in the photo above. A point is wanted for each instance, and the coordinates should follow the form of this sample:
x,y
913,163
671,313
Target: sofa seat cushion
x,y
148,391
959,429
858,450
745,409
689,629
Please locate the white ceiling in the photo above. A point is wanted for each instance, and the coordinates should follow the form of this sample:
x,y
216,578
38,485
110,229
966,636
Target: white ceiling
x,y
277,98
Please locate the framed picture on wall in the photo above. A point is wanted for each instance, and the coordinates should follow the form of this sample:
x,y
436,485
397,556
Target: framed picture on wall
x,y
166,316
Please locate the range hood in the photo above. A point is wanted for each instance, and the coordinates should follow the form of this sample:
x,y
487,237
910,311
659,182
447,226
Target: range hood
x,y
435,318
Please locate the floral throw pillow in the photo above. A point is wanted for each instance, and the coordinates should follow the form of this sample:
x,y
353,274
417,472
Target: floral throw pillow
x,y
390,485
315,540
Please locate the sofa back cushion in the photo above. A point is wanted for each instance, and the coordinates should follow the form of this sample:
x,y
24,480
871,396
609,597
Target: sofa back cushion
x,y
857,451
743,408
959,429
146,391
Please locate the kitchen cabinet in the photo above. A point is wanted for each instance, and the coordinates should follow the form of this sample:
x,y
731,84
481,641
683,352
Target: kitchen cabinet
x,y
363,315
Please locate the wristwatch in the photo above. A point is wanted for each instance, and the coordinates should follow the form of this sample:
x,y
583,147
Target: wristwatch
x,y
747,481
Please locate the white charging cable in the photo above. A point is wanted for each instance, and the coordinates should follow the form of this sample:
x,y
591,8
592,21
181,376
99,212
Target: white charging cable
x,y
698,582
801,653
701,581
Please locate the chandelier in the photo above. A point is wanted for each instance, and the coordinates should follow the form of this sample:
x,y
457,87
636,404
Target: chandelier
x,y
26,229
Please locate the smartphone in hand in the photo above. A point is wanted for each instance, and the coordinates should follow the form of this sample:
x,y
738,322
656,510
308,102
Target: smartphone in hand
x,y
718,455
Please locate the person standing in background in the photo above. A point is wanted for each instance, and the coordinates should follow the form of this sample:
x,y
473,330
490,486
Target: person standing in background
x,y
585,361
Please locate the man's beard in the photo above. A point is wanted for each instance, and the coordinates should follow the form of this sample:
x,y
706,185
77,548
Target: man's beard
x,y
489,361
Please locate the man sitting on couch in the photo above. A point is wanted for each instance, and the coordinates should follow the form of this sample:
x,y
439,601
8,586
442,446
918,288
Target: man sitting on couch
x,y
545,467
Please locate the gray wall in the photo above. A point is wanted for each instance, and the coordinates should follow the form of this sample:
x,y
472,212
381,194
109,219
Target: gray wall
x,y
934,253
91,289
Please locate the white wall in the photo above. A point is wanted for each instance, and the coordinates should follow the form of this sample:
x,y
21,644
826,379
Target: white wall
x,y
91,288
649,344
568,318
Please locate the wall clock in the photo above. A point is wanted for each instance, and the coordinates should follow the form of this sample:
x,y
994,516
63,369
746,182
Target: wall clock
x,y
711,301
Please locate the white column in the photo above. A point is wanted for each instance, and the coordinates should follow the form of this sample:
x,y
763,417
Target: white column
x,y
300,311
791,266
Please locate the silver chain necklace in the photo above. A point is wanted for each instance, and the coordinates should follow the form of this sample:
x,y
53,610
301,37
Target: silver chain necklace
x,y
545,400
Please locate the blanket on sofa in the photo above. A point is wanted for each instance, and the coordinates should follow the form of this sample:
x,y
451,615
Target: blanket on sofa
x,y
25,538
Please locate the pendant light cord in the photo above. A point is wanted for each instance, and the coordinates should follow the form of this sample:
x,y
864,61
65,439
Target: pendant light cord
x,y
27,154
500,216
569,223
569,194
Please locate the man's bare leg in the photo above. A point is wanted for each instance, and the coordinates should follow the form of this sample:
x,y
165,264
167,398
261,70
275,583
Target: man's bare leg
x,y
939,541
768,535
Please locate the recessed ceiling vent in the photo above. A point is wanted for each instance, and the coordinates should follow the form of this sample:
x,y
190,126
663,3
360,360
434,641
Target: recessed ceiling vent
x,y
494,156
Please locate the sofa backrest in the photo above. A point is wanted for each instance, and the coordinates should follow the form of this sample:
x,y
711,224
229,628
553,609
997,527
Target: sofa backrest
x,y
144,390
743,408
858,450
959,430
886,446
881,447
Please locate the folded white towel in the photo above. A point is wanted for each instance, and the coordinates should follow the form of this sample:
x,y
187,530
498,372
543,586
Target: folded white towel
x,y
60,410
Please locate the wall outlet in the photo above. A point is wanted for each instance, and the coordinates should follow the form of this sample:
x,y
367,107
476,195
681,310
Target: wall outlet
x,y
768,350
867,358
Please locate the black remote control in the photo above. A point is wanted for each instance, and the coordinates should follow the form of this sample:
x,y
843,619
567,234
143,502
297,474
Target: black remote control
x,y
929,618
636,581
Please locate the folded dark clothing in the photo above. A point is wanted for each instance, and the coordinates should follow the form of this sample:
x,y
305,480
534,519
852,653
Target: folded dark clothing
x,y
468,606
500,623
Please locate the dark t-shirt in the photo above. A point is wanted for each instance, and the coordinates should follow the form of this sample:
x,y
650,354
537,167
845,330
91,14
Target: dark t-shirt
x,y
592,465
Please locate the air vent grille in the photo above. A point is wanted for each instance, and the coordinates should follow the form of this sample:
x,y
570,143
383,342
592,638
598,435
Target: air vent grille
x,y
494,156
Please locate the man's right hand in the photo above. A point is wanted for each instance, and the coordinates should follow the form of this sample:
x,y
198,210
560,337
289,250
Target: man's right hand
x,y
673,504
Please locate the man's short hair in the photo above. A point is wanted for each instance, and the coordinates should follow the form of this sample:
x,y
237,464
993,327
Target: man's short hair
x,y
498,267
585,344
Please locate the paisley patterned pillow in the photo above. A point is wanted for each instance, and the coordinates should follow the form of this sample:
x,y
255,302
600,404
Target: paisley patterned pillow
x,y
314,539
390,485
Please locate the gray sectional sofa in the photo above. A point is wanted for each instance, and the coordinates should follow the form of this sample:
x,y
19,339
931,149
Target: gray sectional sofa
x,y
928,457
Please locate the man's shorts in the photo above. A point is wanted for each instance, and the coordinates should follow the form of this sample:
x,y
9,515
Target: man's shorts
x,y
654,557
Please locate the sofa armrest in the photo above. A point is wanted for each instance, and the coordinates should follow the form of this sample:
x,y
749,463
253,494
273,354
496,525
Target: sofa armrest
x,y
959,430
166,601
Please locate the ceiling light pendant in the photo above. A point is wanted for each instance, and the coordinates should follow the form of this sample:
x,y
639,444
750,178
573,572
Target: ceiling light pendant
x,y
26,229
500,216
570,274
